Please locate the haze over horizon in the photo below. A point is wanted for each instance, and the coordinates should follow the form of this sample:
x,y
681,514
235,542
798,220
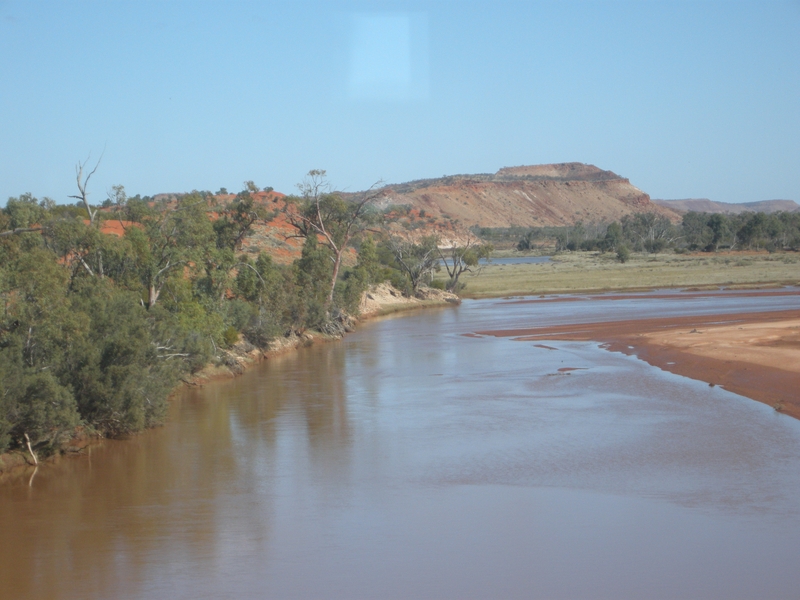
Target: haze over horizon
x,y
685,99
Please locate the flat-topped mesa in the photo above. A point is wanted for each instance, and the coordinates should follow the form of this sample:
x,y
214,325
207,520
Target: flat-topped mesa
x,y
527,196
573,171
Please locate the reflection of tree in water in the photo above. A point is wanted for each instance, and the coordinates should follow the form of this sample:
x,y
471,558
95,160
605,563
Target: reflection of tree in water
x,y
101,522
308,385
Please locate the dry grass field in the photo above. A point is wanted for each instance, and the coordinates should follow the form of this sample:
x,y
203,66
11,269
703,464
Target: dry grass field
x,y
595,272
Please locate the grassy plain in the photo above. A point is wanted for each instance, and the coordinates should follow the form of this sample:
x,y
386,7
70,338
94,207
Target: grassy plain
x,y
596,272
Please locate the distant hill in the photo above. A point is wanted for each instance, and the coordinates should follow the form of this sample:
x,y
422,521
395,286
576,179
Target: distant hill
x,y
709,206
527,196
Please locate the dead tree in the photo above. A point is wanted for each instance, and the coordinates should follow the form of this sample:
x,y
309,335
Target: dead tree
x,y
83,182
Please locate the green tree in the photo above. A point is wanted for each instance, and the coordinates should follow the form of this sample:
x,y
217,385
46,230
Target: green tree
x,y
318,212
718,224
416,260
752,230
24,212
237,220
463,259
170,243
613,237
122,375
368,261
313,274
367,271
696,232
37,332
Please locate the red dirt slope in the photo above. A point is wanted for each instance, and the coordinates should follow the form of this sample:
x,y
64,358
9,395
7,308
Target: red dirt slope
x,y
530,196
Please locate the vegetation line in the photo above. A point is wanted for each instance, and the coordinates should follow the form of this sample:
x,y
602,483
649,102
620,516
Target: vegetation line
x,y
105,309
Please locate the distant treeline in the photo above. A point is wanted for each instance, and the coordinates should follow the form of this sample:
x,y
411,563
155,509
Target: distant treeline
x,y
649,232
96,329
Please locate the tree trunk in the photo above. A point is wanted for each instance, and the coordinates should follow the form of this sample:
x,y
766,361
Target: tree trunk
x,y
152,297
336,264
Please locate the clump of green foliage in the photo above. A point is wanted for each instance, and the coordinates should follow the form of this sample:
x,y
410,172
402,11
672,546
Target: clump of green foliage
x,y
652,233
96,330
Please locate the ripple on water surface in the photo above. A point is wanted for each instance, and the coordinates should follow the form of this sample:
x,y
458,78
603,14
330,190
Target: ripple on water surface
x,y
412,461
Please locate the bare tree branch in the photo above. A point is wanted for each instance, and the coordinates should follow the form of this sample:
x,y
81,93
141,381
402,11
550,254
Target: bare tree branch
x,y
82,184
326,214
20,230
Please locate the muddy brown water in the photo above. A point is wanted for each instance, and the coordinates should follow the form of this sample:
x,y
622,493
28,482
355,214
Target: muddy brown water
x,y
413,461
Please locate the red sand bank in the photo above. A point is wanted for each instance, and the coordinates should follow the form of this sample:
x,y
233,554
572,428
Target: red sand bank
x,y
752,354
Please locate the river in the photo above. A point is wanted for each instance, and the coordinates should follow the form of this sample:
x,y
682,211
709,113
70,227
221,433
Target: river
x,y
413,460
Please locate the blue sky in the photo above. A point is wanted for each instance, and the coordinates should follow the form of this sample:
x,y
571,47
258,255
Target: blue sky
x,y
686,99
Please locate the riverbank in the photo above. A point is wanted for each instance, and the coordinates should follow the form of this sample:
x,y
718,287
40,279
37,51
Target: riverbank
x,y
756,355
382,299
379,300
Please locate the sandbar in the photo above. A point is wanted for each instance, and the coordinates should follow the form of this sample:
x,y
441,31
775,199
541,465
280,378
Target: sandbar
x,y
751,354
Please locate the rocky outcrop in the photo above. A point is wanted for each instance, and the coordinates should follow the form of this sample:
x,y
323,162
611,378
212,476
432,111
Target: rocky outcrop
x,y
527,196
383,299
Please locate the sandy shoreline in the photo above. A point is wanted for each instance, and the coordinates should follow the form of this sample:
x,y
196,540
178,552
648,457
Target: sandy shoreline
x,y
751,354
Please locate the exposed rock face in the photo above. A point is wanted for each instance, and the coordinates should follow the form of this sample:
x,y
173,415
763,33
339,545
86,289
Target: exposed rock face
x,y
709,206
529,196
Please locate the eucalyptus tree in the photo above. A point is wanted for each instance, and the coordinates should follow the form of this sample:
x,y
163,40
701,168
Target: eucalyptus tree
x,y
463,259
236,219
331,219
417,260
170,243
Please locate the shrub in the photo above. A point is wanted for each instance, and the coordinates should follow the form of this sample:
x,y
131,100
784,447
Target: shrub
x,y
623,254
262,329
590,245
655,246
239,313
230,336
401,282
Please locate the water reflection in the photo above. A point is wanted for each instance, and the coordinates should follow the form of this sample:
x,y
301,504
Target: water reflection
x,y
411,460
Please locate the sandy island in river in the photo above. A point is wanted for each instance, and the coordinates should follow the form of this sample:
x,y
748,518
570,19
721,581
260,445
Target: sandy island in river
x,y
752,354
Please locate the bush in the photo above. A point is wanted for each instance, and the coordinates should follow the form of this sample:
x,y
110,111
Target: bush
x,y
400,281
525,242
349,291
591,245
262,329
623,254
239,313
230,336
655,246
456,287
